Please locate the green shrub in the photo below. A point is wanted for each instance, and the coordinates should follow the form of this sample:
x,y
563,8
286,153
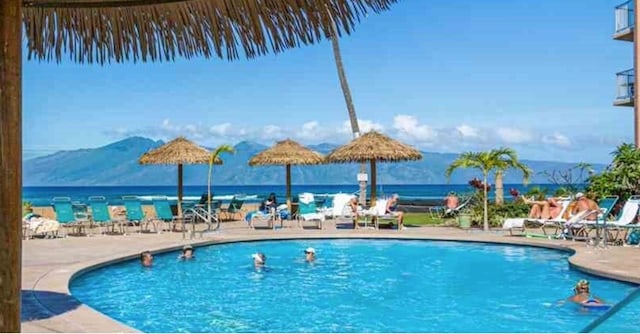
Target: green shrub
x,y
498,213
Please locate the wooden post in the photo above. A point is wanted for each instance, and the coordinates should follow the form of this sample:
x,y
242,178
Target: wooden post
x,y
373,183
179,190
10,164
289,189
636,72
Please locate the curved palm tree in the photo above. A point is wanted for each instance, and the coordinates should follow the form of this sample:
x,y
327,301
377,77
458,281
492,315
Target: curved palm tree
x,y
215,154
508,158
351,110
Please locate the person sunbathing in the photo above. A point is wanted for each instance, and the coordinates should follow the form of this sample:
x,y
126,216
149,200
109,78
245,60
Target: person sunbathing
x,y
549,208
583,203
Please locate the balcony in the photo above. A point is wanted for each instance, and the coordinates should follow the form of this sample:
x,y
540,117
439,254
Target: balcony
x,y
624,22
625,82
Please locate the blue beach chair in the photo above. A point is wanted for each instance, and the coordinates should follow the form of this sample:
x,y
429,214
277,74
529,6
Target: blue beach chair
x,y
66,216
135,215
307,210
101,216
164,213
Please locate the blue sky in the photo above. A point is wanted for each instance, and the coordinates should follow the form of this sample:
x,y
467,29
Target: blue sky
x,y
445,76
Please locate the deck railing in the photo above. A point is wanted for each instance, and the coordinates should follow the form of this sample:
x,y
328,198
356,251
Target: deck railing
x,y
625,81
624,16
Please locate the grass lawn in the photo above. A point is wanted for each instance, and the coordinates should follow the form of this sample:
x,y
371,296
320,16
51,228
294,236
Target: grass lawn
x,y
421,219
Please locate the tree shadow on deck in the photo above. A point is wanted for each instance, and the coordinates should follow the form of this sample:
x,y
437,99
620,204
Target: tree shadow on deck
x,y
38,305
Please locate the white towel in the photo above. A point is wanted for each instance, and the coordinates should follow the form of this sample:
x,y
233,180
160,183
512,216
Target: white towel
x,y
305,198
339,202
513,222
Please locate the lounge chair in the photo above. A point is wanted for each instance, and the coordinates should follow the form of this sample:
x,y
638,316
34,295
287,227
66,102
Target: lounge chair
x,y
521,224
135,215
338,203
234,207
101,216
36,225
625,221
307,210
583,228
66,216
450,213
164,214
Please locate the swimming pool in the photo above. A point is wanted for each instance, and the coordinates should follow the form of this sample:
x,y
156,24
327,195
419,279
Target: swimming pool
x,y
356,285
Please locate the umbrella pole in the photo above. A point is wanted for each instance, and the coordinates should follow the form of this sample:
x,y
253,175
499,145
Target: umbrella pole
x,y
180,190
373,183
289,189
11,166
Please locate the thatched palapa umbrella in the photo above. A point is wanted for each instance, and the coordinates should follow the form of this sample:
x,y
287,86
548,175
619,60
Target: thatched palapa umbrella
x,y
287,153
374,146
104,31
179,151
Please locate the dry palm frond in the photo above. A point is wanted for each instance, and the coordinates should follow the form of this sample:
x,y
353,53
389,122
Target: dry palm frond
x,y
99,31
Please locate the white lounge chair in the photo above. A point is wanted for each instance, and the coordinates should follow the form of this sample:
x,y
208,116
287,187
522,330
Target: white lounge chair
x,y
307,210
520,224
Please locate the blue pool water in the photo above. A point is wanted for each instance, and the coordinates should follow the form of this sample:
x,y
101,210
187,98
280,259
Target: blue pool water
x,y
354,286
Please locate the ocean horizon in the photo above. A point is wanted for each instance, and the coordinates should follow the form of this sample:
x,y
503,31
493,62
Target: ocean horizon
x,y
42,196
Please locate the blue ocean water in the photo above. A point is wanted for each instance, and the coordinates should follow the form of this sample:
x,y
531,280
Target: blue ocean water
x,y
354,286
40,196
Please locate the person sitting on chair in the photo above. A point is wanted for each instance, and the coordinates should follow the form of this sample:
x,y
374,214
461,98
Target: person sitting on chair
x,y
392,209
583,203
269,204
353,205
451,202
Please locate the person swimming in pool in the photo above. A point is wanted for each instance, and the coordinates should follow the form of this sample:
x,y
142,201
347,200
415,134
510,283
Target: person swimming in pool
x,y
187,253
309,254
259,260
146,259
582,294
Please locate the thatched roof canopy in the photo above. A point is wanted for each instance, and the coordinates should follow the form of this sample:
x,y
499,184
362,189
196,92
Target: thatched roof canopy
x,y
178,151
118,30
287,152
374,146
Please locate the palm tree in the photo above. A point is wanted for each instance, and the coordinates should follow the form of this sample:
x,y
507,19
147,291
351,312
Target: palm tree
x,y
508,158
215,154
485,162
353,119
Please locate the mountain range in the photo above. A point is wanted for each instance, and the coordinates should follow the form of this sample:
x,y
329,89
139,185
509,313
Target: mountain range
x,y
117,164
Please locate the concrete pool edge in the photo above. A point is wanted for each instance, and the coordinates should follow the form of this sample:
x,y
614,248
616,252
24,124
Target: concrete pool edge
x,y
86,319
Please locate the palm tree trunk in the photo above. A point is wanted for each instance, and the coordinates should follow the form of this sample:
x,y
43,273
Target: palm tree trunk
x,y
353,119
499,187
486,207
11,166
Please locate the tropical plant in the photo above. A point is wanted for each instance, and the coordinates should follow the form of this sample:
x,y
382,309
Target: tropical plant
x,y
215,154
486,162
27,207
508,159
621,177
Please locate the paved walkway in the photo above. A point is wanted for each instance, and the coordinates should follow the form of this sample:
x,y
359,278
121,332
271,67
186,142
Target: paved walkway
x,y
49,264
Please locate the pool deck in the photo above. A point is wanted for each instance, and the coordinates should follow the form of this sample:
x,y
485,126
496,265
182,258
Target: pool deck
x,y
49,264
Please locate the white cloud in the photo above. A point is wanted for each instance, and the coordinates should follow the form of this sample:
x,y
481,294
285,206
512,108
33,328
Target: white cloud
x,y
406,128
514,136
409,128
467,131
557,139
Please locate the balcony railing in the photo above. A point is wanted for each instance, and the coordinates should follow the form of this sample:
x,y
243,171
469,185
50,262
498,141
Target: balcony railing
x,y
624,17
625,82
